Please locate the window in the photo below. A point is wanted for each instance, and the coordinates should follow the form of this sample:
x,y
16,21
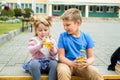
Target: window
x,y
40,8
79,7
66,7
37,9
30,5
91,9
26,5
11,5
22,6
56,7
99,9
69,6
110,9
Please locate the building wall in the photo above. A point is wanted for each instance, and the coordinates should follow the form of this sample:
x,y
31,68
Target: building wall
x,y
26,1
41,7
62,9
93,13
105,13
41,1
11,0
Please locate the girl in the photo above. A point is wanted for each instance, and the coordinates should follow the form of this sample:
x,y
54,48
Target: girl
x,y
43,53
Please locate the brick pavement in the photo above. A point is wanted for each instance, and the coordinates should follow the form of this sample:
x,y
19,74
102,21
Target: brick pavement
x,y
105,34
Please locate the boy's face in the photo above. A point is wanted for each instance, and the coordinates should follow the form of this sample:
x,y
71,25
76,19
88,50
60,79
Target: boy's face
x,y
71,27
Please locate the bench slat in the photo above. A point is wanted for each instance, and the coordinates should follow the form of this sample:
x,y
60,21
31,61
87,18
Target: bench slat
x,y
45,77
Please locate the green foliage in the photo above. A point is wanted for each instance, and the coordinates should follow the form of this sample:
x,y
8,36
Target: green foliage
x,y
4,18
9,13
17,12
13,21
28,12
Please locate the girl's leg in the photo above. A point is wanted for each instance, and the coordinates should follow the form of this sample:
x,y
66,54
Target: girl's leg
x,y
52,70
90,73
64,72
35,69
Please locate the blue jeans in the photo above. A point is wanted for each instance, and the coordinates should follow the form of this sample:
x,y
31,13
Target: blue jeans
x,y
35,69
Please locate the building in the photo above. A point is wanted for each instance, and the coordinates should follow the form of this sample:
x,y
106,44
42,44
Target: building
x,y
89,8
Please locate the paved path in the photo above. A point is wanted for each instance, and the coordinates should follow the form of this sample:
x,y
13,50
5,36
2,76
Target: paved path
x,y
106,36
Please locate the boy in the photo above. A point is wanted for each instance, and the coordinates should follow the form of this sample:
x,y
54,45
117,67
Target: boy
x,y
73,45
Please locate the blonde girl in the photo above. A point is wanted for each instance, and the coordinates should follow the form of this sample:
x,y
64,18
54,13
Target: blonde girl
x,y
43,58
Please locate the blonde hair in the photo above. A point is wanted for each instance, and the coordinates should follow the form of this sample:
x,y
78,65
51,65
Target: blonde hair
x,y
39,20
72,14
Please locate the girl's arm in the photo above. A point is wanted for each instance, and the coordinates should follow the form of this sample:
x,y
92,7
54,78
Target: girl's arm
x,y
33,46
53,50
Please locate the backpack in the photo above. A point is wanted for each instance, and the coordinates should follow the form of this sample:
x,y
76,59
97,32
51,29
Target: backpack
x,y
115,56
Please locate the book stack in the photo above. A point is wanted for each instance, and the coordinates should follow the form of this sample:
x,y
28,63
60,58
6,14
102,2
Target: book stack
x,y
117,67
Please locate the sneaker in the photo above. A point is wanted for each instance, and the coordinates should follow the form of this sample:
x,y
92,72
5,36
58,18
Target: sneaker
x,y
112,68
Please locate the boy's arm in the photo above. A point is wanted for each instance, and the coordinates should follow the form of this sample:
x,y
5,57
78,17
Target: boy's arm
x,y
63,59
90,56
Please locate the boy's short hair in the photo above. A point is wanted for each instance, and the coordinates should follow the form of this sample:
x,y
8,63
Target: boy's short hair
x,y
72,14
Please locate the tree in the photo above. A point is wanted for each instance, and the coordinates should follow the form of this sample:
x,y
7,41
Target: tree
x,y
28,12
7,12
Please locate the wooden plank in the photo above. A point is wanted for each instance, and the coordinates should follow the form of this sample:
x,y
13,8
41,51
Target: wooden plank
x,y
45,77
30,78
111,76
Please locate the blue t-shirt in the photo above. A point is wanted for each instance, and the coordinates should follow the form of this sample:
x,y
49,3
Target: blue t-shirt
x,y
74,45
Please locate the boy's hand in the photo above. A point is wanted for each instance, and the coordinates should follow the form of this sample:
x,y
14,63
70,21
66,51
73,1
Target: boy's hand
x,y
82,63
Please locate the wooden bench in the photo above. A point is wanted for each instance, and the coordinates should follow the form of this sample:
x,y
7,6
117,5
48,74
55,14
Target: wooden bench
x,y
25,26
106,77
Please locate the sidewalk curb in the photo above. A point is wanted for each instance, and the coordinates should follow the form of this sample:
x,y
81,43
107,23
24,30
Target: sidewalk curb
x,y
6,37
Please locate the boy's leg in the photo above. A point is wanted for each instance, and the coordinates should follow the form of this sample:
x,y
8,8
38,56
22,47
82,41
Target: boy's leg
x,y
53,70
64,72
35,69
90,73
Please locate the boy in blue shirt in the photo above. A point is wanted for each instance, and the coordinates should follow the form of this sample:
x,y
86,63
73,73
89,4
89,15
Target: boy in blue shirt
x,y
72,44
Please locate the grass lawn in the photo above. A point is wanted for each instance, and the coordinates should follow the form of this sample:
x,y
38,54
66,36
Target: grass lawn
x,y
5,27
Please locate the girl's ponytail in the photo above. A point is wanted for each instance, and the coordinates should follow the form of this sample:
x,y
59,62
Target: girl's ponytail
x,y
49,19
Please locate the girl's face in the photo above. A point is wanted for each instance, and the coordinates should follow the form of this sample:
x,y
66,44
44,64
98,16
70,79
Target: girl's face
x,y
72,27
42,31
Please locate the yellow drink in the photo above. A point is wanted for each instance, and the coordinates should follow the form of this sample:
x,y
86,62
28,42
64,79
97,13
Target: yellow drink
x,y
48,44
81,58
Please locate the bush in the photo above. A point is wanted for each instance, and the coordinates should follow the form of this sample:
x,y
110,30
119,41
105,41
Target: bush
x,y
7,12
13,21
17,12
4,18
28,12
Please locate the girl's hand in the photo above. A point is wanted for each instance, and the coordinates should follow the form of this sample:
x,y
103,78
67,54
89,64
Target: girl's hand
x,y
48,43
52,47
43,41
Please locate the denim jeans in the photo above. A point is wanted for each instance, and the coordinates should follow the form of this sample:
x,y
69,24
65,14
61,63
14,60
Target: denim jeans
x,y
35,69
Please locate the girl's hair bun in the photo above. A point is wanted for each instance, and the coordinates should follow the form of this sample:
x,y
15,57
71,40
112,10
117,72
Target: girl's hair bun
x,y
36,19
